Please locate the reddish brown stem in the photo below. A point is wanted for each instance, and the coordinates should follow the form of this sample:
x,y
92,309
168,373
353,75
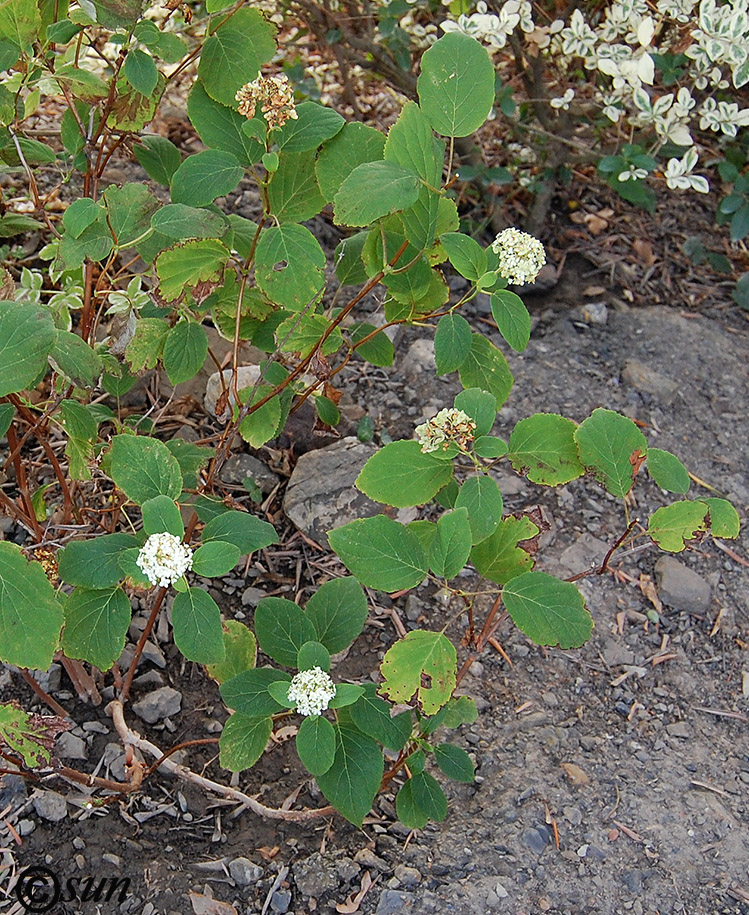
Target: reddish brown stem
x,y
44,695
158,601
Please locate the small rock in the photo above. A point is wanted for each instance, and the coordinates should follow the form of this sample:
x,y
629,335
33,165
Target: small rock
x,y
633,880
535,839
237,468
244,872
12,791
595,313
419,359
69,746
152,653
321,492
247,375
679,729
251,597
680,587
114,860
25,827
408,876
367,858
49,680
315,875
393,902
280,901
587,551
642,377
51,806
161,703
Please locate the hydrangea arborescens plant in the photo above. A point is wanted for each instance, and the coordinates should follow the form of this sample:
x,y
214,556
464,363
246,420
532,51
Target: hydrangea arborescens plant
x,y
131,513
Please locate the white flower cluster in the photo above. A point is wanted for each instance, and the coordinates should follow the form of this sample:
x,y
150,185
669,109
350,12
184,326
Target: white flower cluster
x,y
164,559
449,425
311,691
521,256
274,94
620,43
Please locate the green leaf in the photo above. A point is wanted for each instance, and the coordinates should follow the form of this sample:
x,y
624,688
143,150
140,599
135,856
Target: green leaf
x,y
314,125
129,212
281,629
204,176
481,496
489,446
372,716
400,474
159,157
674,524
185,351
301,334
456,85
420,219
724,519
459,710
547,610
543,447
466,255
290,266
29,737
354,145
262,425
147,345
233,55
412,145
280,692
198,634
176,220
96,623
378,350
243,741
144,468
20,22
240,650
346,694
215,558
316,744
244,530
485,367
94,563
452,545
140,71
313,654
512,318
452,343
428,796
499,558
353,780
76,359
94,243
80,214
426,531
7,412
294,194
409,812
220,127
348,263
162,514
248,692
373,190
667,471
30,615
481,406
381,553
27,334
418,659
184,266
610,446
337,612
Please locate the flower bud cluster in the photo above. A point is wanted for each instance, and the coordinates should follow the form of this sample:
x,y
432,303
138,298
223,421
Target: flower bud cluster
x,y
521,256
449,425
275,96
164,559
311,691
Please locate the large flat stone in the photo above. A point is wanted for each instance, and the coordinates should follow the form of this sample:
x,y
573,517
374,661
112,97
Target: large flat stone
x,y
321,494
681,588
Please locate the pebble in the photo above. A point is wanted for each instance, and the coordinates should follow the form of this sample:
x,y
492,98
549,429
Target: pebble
x,y
679,729
280,901
680,587
114,860
161,703
315,875
71,747
535,839
407,876
393,902
244,872
237,468
251,597
25,827
51,806
247,375
643,378
12,791
367,858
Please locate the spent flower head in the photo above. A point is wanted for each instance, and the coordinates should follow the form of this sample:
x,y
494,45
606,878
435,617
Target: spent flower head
x,y
449,425
521,256
311,691
275,96
164,559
